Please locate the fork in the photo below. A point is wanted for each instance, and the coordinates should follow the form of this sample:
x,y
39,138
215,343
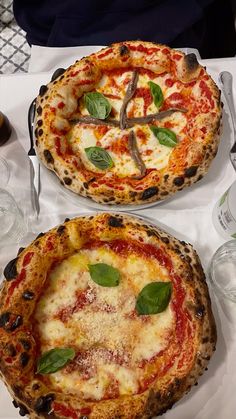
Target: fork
x,y
226,81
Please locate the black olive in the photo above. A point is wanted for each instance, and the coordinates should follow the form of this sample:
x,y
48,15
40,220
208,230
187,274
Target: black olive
x,y
149,192
10,271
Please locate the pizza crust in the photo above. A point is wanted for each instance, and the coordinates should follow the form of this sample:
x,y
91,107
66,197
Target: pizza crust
x,y
25,281
57,103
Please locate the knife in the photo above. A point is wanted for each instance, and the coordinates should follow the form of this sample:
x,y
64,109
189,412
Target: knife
x,y
34,163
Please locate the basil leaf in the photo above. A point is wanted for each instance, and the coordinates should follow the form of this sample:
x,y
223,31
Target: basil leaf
x,y
104,275
99,157
157,94
154,298
165,136
53,360
97,105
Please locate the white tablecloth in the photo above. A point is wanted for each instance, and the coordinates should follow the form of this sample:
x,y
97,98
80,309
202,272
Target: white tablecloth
x,y
188,216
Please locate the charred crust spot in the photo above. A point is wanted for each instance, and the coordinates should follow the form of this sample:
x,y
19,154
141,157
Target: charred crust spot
x,y
115,222
166,177
186,249
20,250
26,344
39,235
15,404
11,350
24,359
10,271
36,143
149,192
178,181
40,122
191,171
43,90
205,339
150,233
16,323
36,132
23,410
39,110
35,386
67,180
48,157
40,132
61,229
66,220
199,311
165,240
43,403
132,194
191,62
7,324
58,72
28,295
124,50
4,319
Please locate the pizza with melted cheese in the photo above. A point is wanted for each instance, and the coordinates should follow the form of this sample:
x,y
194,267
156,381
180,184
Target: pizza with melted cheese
x,y
133,123
104,317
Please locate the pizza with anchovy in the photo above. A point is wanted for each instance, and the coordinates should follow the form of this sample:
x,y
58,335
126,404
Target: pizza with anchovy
x,y
131,124
104,317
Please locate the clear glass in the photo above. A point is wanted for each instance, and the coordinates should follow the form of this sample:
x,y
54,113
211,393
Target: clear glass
x,y
12,225
4,172
222,270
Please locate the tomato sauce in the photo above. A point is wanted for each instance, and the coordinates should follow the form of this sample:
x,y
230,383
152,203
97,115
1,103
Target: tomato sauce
x,y
145,50
104,54
15,284
66,411
27,258
145,94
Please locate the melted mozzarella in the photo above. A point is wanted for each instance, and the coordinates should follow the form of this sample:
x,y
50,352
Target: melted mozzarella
x,y
154,155
114,339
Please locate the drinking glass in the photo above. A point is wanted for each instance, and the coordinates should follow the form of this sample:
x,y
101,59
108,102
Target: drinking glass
x,y
12,224
222,270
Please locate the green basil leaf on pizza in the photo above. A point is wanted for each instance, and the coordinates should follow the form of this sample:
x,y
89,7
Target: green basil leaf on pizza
x,y
157,94
97,105
165,136
99,157
54,359
104,275
154,298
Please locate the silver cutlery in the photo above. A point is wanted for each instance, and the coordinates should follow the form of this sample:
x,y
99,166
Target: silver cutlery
x,y
226,81
34,163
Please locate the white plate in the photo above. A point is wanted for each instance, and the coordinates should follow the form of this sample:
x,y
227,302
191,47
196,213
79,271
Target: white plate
x,y
214,396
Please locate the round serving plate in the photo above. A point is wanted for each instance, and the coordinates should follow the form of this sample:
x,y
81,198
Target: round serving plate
x,y
79,200
88,202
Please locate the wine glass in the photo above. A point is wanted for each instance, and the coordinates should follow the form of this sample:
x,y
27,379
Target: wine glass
x,y
12,224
